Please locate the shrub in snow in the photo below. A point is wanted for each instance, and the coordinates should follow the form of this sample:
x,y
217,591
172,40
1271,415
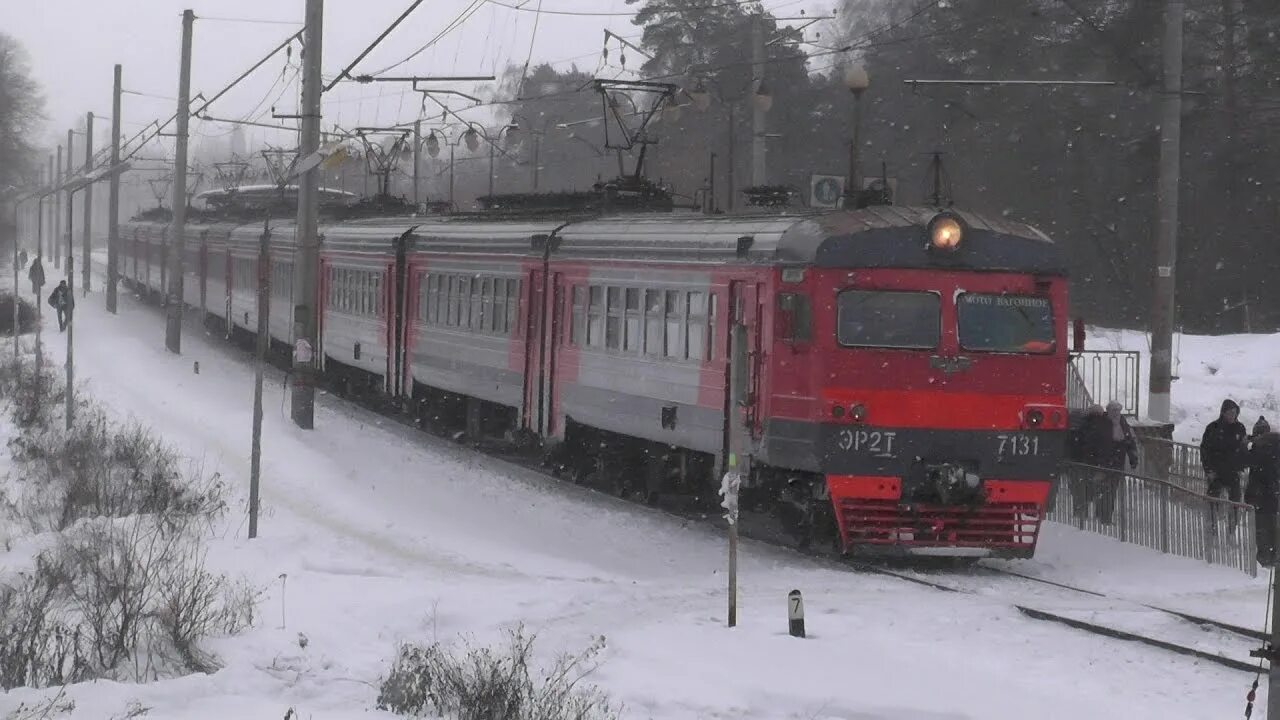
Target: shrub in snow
x,y
479,683
128,600
125,593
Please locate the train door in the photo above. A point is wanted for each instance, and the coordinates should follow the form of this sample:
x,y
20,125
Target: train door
x,y
534,350
742,376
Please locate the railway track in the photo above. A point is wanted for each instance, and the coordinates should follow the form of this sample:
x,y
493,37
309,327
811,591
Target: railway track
x,y
1097,613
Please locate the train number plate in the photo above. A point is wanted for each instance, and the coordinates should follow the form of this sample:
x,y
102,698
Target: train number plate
x,y
877,443
1018,445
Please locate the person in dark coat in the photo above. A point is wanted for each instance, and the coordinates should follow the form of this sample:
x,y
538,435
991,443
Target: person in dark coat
x,y
36,276
1106,441
1224,452
62,301
1263,489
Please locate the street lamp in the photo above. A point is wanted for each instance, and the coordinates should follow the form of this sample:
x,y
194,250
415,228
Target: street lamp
x,y
857,80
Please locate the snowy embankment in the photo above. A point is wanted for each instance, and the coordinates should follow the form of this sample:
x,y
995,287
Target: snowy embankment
x,y
1208,369
373,535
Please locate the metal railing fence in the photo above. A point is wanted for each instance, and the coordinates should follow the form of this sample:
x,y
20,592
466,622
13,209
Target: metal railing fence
x,y
1157,514
1100,376
1177,462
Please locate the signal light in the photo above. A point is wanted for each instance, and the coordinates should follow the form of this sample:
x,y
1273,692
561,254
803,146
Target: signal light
x,y
1035,418
837,411
858,412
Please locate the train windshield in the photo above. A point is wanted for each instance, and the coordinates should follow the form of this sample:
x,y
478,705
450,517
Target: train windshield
x,y
889,319
1005,323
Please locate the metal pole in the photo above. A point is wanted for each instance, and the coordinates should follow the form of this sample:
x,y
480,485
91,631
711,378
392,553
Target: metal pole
x,y
57,208
36,291
852,190
711,187
173,328
307,266
537,147
16,287
417,162
1163,303
53,215
451,176
730,190
264,310
113,201
758,169
491,144
71,279
1273,676
88,201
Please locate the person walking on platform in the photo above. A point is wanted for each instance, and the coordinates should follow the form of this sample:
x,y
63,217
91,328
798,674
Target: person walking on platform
x,y
36,276
62,301
1224,452
1263,489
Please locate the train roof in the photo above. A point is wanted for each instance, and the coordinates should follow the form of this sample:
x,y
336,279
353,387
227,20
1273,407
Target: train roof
x,y
878,236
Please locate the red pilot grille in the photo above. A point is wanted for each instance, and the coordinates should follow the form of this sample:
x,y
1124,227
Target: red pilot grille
x,y
885,522
870,511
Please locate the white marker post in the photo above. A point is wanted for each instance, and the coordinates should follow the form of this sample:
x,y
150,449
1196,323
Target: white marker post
x,y
729,486
795,613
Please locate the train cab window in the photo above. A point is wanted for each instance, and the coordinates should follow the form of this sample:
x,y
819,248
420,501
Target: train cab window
x,y
578,328
794,317
595,316
675,307
653,303
696,328
633,339
1005,323
613,319
888,319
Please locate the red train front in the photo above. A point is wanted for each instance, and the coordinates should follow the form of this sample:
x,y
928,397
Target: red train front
x,y
918,370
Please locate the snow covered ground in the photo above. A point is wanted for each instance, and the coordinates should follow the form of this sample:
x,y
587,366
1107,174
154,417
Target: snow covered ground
x,y
1209,369
374,534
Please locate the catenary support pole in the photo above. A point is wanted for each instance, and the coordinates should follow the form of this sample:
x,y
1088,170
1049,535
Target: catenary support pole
x,y
16,286
1164,300
306,268
264,334
758,169
88,203
69,392
58,198
35,290
417,162
113,201
173,326
731,186
53,214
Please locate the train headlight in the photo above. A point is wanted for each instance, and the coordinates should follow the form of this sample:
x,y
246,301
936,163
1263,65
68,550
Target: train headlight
x,y
858,412
1035,418
945,232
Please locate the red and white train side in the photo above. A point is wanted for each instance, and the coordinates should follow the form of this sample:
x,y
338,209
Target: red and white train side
x,y
892,377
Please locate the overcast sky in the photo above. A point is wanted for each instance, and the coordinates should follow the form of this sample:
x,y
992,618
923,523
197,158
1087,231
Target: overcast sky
x,y
74,43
